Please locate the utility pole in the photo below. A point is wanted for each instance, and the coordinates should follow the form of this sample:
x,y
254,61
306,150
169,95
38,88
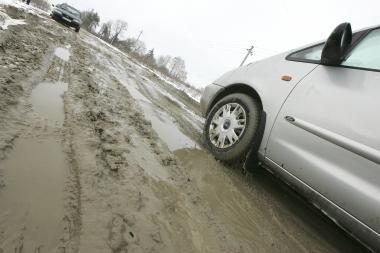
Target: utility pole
x,y
249,52
138,37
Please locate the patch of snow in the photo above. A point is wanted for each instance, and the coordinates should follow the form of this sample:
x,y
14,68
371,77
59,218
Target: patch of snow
x,y
183,106
192,93
62,53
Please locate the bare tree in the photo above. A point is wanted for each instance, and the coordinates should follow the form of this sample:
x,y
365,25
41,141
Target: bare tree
x,y
139,48
177,69
126,45
105,31
149,58
90,20
163,61
112,32
118,27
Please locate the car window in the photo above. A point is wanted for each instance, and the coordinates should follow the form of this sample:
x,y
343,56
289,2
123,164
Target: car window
x,y
310,54
73,11
367,53
70,9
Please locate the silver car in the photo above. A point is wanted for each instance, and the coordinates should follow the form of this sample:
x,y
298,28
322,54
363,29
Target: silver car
x,y
311,116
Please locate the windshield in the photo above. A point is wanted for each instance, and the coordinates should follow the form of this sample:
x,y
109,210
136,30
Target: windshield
x,y
70,9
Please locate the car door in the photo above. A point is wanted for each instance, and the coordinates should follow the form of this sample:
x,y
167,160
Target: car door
x,y
327,133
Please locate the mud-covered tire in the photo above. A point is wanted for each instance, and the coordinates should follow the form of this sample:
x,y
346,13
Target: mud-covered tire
x,y
241,147
77,29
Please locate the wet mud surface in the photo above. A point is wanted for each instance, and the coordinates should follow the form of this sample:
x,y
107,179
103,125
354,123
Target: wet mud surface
x,y
33,201
98,154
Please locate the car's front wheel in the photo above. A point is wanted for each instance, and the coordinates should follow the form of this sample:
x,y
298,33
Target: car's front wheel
x,y
77,29
231,126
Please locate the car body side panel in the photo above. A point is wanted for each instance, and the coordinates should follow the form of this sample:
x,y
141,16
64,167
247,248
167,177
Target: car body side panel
x,y
265,77
334,143
346,221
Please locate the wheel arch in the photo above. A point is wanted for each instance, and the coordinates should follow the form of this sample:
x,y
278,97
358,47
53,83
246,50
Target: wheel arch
x,y
235,88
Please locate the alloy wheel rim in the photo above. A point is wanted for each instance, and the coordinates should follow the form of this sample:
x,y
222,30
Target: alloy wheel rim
x,y
228,125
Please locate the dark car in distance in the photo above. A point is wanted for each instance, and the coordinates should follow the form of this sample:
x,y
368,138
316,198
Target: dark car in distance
x,y
67,15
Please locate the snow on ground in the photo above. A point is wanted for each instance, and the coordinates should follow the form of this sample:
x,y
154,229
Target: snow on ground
x,y
26,8
6,21
191,92
63,53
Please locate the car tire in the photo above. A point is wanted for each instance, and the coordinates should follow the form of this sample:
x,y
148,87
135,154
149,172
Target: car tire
x,y
77,29
243,110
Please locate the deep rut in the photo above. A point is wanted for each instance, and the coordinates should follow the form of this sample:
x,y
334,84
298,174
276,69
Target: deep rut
x,y
38,200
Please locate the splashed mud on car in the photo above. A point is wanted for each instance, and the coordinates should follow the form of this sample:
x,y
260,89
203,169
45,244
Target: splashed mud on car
x,y
83,156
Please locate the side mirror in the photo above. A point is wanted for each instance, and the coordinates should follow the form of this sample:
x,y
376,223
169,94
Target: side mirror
x,y
337,45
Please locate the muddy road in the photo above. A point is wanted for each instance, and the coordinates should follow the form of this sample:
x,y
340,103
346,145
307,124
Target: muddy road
x,y
100,154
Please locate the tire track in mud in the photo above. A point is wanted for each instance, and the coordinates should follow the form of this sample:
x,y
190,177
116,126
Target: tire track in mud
x,y
170,116
39,199
175,111
261,212
134,196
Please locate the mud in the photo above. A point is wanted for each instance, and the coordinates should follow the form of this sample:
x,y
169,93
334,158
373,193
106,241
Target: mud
x,y
32,202
98,154
47,101
165,127
39,192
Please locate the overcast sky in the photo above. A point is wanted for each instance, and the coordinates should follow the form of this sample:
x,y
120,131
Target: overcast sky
x,y
212,35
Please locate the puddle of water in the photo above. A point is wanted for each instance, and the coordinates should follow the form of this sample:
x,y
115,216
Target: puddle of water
x,y
47,100
63,53
167,129
135,93
192,117
147,161
32,202
184,107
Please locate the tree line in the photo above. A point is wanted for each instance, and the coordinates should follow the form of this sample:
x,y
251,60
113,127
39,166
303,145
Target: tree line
x,y
114,32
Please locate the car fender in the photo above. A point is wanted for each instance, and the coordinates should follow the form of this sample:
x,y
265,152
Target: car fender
x,y
265,77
